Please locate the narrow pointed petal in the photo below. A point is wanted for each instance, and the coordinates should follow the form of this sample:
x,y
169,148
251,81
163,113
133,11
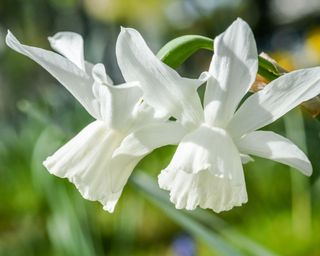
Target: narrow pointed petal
x,y
144,140
70,45
86,161
275,100
205,171
163,87
76,81
275,147
233,69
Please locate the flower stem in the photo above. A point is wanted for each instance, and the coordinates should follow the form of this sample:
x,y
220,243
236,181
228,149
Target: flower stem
x,y
178,50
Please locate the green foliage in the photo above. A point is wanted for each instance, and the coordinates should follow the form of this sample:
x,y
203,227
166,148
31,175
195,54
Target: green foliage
x,y
178,50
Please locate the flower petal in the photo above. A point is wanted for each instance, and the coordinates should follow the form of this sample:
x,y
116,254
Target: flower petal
x,y
163,87
246,158
202,173
149,137
116,104
86,161
70,45
275,147
234,68
275,100
99,74
76,81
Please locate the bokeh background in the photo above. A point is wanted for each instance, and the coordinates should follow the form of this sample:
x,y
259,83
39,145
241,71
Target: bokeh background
x,y
44,215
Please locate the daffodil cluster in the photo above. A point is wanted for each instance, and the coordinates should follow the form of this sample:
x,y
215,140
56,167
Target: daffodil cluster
x,y
214,137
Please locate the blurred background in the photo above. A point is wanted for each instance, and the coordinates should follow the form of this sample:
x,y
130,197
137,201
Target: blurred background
x,y
44,215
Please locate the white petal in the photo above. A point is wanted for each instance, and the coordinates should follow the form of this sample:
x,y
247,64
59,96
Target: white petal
x,y
150,137
234,67
275,100
275,147
86,161
70,45
121,107
206,170
116,104
76,81
163,87
99,74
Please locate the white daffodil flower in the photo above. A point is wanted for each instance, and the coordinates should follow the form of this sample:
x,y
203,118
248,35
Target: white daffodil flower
x,y
100,159
206,169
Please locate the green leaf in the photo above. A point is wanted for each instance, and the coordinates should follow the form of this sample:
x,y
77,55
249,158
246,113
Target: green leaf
x,y
178,50
267,69
175,52
209,228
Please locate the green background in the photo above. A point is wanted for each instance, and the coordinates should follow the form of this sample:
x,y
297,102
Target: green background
x,y
44,215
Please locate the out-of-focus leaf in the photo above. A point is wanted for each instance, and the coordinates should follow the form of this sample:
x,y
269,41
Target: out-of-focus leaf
x,y
209,228
300,185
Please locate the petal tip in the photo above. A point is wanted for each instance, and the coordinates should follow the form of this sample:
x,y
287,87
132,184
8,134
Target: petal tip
x,y
110,206
240,21
123,29
49,164
308,171
11,39
50,39
9,32
127,31
45,163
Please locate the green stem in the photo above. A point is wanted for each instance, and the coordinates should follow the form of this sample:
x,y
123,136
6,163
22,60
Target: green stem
x,y
178,50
